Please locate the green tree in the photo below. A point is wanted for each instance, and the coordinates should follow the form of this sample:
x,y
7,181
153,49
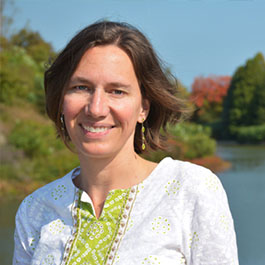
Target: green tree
x,y
17,77
258,103
34,44
244,104
24,55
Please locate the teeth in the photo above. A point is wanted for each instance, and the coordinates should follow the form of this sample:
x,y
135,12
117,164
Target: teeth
x,y
95,129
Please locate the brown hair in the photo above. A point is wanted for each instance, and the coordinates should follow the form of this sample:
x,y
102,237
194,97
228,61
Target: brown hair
x,y
156,86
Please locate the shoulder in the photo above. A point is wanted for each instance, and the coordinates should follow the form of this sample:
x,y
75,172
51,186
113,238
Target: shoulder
x,y
192,179
53,190
197,195
47,199
185,170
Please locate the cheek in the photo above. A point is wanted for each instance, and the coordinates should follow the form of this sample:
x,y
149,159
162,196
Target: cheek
x,y
71,108
128,114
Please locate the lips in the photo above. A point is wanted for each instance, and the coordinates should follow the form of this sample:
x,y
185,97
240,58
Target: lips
x,y
96,129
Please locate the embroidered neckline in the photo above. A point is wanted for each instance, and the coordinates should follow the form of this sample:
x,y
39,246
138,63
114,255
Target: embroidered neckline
x,y
96,241
120,225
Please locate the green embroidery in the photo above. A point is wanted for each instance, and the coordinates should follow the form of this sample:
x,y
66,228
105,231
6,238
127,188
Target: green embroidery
x,y
49,260
212,183
224,222
194,238
58,192
151,260
57,226
161,225
28,201
172,187
95,236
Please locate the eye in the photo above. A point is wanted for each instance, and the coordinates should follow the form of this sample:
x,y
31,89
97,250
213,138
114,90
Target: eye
x,y
83,88
117,92
80,87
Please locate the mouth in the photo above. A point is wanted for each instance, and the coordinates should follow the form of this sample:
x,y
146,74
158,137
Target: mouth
x,y
96,129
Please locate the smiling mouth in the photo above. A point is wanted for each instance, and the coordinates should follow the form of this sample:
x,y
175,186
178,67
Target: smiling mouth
x,y
96,129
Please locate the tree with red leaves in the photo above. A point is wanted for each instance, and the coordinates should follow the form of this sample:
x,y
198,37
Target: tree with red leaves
x,y
207,95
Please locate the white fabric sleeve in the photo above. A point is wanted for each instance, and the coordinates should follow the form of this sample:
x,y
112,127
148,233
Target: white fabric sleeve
x,y
22,237
212,238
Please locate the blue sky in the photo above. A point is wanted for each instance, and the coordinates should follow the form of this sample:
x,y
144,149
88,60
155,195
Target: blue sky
x,y
193,37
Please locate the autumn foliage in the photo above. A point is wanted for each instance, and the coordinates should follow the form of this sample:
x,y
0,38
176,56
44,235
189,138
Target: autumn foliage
x,y
207,95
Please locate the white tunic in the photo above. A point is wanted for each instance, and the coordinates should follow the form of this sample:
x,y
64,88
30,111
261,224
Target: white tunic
x,y
178,215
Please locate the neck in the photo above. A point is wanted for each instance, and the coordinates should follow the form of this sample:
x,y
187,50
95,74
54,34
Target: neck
x,y
109,173
99,176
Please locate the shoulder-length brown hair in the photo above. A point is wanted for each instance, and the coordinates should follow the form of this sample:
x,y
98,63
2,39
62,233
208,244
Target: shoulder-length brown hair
x,y
166,105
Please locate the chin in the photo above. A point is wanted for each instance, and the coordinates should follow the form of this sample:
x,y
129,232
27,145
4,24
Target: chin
x,y
96,152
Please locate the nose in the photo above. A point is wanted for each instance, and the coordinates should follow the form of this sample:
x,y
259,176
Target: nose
x,y
97,106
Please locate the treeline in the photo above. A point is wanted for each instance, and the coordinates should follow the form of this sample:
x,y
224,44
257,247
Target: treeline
x,y
234,107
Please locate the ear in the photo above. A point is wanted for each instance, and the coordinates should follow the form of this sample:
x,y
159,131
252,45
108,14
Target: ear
x,y
144,111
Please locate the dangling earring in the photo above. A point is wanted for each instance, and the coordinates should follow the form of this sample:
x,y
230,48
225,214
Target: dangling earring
x,y
143,137
62,123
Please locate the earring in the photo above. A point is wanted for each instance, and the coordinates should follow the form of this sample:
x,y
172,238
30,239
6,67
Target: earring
x,y
143,137
62,122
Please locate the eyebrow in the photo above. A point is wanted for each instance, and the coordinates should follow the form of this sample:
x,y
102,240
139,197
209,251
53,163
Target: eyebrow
x,y
79,80
84,80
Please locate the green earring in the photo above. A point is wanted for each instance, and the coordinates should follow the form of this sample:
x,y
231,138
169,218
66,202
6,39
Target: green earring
x,y
143,137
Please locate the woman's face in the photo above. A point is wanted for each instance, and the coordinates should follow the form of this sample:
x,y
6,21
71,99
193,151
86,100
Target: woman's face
x,y
103,103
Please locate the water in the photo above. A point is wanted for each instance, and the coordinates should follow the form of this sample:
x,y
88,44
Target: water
x,y
245,187
7,224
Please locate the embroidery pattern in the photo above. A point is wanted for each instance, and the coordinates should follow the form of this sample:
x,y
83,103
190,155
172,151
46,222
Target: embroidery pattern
x,y
212,183
172,187
194,239
58,192
96,241
160,225
224,222
151,260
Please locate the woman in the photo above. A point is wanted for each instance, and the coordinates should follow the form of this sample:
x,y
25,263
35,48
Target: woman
x,y
108,97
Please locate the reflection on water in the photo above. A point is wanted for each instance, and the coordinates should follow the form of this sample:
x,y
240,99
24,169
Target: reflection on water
x,y
245,187
243,157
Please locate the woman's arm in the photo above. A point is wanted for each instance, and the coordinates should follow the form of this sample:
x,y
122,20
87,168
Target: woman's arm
x,y
213,239
23,237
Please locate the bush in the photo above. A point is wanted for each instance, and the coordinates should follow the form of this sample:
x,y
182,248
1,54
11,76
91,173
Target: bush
x,y
186,141
248,134
45,157
196,139
54,166
35,139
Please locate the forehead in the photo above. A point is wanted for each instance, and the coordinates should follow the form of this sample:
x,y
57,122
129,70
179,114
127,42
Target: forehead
x,y
104,65
107,57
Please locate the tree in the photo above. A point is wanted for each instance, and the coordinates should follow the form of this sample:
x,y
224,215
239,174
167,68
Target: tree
x,y
34,44
24,55
239,104
245,102
17,77
258,103
207,95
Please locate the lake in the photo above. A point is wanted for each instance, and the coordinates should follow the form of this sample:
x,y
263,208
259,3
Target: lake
x,y
245,187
